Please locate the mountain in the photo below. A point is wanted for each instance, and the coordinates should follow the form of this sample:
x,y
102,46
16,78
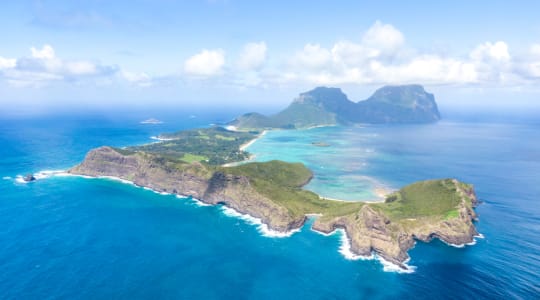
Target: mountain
x,y
330,106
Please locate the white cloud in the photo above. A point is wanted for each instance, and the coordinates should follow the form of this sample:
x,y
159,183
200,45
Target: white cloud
x,y
350,53
383,37
381,57
206,63
139,78
80,68
6,63
252,57
535,50
43,66
47,52
530,67
426,69
491,52
313,56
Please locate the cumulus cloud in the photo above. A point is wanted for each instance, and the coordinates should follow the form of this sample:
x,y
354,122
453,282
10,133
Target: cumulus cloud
x,y
529,66
488,51
313,56
383,37
349,53
206,63
252,57
47,52
6,63
380,41
43,66
381,56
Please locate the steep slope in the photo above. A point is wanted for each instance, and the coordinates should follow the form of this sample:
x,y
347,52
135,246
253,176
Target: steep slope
x,y
330,106
396,104
272,191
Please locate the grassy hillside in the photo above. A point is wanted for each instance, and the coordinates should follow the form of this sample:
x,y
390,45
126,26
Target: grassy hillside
x,y
425,198
213,146
282,182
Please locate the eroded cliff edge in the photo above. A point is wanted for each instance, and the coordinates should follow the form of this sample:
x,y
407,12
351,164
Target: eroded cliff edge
x,y
272,191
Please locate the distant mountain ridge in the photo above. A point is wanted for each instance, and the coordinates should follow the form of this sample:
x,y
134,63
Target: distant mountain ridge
x,y
330,106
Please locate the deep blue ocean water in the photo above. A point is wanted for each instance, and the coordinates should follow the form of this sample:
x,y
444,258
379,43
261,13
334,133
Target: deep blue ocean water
x,y
70,237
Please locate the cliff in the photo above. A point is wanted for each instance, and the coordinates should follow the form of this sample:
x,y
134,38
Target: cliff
x,y
272,191
210,185
330,106
390,231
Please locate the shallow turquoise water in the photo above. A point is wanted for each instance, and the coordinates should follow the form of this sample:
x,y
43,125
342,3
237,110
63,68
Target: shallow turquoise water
x,y
69,237
339,166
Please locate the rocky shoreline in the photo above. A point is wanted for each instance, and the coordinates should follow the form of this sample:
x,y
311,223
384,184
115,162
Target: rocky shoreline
x,y
195,181
368,229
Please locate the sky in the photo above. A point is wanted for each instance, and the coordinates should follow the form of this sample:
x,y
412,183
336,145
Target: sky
x,y
102,54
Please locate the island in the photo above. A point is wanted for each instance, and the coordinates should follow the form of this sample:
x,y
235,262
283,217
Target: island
x,y
324,106
211,165
151,121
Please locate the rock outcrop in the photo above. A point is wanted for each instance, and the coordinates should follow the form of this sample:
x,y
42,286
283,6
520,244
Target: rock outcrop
x,y
370,230
29,177
388,229
195,180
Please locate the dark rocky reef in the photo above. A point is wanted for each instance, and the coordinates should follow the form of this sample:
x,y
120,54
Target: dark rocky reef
x,y
29,177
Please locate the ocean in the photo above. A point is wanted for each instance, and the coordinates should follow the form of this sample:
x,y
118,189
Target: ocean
x,y
65,237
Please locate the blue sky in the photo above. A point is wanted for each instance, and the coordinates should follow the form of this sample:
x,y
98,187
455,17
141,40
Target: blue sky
x,y
102,54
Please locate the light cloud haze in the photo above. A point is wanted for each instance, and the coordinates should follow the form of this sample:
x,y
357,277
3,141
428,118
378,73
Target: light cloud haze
x,y
186,51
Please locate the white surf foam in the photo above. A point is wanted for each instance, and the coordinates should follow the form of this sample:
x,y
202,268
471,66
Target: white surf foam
x,y
157,138
118,179
478,236
199,202
346,251
6,178
41,175
393,268
20,179
261,227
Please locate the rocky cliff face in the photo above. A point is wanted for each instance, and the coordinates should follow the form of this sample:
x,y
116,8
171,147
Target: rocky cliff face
x,y
330,106
379,228
371,231
196,180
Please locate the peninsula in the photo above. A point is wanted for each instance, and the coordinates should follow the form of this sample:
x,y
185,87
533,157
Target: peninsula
x,y
197,163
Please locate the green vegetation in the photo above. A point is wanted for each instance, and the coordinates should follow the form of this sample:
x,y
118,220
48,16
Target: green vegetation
x,y
282,183
189,158
324,106
452,214
424,198
212,146
203,151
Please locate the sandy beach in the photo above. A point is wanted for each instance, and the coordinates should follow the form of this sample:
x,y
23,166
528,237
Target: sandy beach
x,y
246,145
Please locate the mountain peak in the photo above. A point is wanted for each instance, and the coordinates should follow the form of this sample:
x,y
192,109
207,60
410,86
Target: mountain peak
x,y
330,106
402,94
321,94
